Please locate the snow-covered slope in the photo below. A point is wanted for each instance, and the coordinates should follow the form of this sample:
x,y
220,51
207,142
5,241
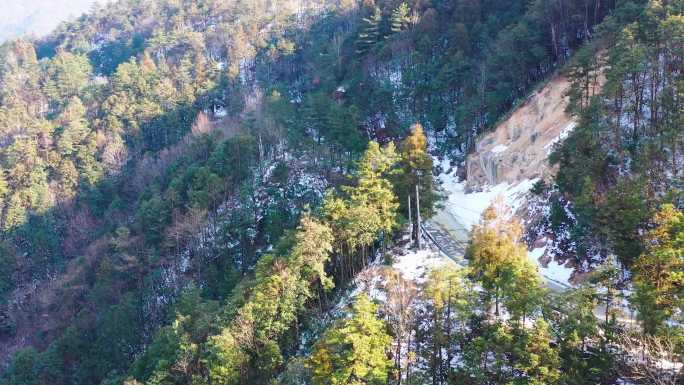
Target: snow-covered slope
x,y
466,205
463,208
506,164
416,264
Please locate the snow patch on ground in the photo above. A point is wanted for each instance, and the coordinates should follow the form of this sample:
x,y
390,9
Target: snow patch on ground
x,y
220,112
415,265
467,207
565,132
499,148
553,271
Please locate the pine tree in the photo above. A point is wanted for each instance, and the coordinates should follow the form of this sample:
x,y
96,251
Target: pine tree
x,y
496,256
400,18
374,189
414,154
372,204
370,213
416,171
77,142
353,352
487,355
576,329
4,188
249,349
370,33
606,279
534,357
527,294
659,271
67,74
313,247
583,77
450,303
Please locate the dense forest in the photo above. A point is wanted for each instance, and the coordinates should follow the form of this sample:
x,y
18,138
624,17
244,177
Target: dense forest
x,y
189,189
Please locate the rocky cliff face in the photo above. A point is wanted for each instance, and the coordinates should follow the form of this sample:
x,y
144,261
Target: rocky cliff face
x,y
515,154
518,148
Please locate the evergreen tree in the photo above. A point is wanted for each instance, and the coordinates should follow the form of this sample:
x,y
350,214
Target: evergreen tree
x,y
659,271
67,75
369,214
142,71
400,18
583,76
249,349
77,142
374,189
606,280
371,208
450,304
370,32
527,294
497,259
353,352
576,329
416,170
487,355
313,247
534,358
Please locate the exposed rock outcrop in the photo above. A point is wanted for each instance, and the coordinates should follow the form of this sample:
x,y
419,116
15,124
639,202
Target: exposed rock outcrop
x,y
518,148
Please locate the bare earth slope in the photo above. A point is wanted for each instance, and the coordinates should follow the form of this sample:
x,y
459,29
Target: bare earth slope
x,y
506,163
518,148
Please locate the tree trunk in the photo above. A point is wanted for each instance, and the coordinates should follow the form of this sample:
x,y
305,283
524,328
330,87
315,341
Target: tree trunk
x,y
409,215
448,330
496,302
418,216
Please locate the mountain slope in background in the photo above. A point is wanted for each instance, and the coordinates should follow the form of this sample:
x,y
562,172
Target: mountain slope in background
x,y
190,189
37,17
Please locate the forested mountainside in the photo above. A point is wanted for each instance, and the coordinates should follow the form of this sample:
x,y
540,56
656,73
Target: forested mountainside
x,y
192,191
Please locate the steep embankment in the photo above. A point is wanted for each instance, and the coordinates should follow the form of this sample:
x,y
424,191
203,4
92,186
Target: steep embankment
x,y
506,164
518,148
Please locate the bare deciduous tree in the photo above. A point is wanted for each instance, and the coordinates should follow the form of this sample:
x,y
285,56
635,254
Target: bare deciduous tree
x,y
648,359
399,309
